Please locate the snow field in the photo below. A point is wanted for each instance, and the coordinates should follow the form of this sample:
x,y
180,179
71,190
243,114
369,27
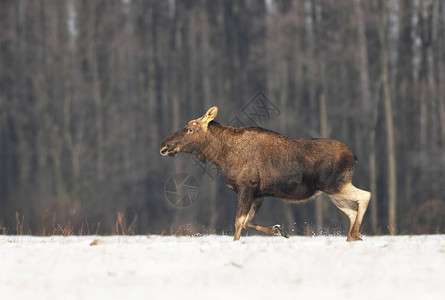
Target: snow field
x,y
215,267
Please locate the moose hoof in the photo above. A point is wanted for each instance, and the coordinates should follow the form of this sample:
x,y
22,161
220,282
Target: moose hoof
x,y
353,238
279,230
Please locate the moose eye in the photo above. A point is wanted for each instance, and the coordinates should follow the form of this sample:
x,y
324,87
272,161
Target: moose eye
x,y
190,130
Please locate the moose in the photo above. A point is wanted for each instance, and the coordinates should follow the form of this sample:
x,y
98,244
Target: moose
x,y
257,162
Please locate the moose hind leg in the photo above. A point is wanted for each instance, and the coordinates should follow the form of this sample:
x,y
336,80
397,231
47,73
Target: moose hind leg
x,y
362,198
350,209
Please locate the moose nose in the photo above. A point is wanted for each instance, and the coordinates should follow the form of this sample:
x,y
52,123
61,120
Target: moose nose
x,y
164,151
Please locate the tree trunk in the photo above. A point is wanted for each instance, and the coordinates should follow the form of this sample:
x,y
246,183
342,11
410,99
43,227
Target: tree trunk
x,y
390,136
441,70
97,96
430,11
416,61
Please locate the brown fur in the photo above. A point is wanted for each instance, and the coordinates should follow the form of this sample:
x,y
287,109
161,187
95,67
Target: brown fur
x,y
258,162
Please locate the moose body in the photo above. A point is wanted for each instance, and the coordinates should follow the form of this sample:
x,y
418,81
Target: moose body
x,y
258,162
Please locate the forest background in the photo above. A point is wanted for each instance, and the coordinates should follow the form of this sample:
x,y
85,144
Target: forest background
x,y
89,89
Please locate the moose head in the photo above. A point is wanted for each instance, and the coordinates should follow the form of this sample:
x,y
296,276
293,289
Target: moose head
x,y
191,138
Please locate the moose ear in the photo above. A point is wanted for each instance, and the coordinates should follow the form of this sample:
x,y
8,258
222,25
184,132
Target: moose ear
x,y
209,116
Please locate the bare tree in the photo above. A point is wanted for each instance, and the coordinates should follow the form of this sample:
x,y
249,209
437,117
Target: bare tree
x,y
390,134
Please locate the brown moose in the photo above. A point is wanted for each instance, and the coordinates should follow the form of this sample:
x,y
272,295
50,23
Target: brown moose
x,y
258,162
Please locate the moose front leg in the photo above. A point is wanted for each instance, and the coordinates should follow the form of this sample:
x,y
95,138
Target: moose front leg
x,y
247,207
274,230
245,198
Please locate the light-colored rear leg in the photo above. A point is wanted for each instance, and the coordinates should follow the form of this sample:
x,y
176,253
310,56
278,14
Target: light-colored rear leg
x,y
361,197
349,207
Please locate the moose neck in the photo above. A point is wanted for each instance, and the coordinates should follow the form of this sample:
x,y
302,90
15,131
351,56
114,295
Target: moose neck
x,y
218,143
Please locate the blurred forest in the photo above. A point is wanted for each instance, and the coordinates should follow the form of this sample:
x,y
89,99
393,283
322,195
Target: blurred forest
x,y
90,88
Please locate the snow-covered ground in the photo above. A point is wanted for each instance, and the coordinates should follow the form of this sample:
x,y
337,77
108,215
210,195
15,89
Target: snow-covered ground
x,y
215,267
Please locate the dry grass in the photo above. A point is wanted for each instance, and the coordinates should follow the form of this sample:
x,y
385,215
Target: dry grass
x,y
121,227
19,223
51,226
